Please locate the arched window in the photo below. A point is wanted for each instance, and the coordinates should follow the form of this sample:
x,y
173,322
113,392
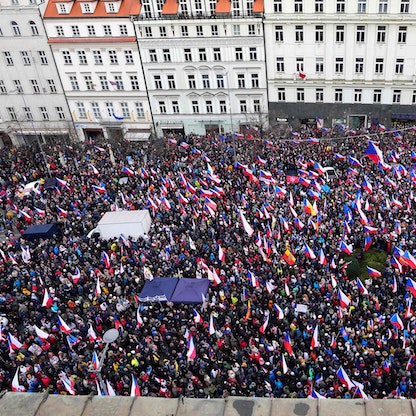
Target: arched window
x,y
33,28
15,28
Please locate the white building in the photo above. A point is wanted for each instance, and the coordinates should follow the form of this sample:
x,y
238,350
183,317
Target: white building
x,y
359,58
204,63
95,48
31,97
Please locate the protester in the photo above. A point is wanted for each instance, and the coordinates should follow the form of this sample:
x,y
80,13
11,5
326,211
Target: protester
x,y
281,318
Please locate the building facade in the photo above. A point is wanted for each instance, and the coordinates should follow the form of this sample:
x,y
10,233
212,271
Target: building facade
x,y
95,49
205,64
344,61
32,103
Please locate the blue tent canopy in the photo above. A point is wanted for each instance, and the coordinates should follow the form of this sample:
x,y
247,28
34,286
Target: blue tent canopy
x,y
160,289
190,291
41,231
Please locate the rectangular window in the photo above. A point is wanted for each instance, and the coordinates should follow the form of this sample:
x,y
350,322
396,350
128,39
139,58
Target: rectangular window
x,y
123,30
191,82
184,31
205,81
214,30
43,58
414,97
157,81
251,30
35,86
358,95
399,66
104,82
91,30
379,68
383,6
319,65
319,33
220,81
217,54
175,107
319,95
223,107
243,106
166,55
163,32
202,54
110,109
8,58
359,65
256,106
298,6
362,6
107,30
75,30
12,113
88,82
396,96
61,113
280,64
195,107
360,35
381,34
241,81
148,32
59,31
67,57
340,6
319,6
299,65
25,57
299,33
81,110
128,56
339,65
52,86
171,82
82,57
277,5
338,95
255,81
278,31
44,113
236,30
300,94
139,110
404,6
125,109
238,54
199,31
208,106
339,33
3,89
74,82
112,54
98,60
152,55
188,55
119,82
377,96
96,110
402,34
253,54
18,85
281,94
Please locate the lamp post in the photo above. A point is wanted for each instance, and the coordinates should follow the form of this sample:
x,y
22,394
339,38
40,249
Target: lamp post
x,y
35,131
109,336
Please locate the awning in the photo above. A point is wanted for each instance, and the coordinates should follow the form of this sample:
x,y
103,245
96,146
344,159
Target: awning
x,y
170,7
171,126
137,136
258,6
223,6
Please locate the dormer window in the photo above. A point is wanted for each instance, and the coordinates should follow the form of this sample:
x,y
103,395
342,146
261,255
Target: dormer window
x,y
64,8
86,8
112,6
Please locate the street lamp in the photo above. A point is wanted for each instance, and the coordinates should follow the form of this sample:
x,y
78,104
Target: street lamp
x,y
109,336
34,130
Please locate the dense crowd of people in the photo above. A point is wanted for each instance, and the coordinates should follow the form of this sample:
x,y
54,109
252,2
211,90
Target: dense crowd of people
x,y
273,323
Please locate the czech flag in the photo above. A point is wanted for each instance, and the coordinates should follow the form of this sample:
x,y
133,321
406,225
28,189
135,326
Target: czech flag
x,y
284,365
95,361
139,318
373,152
15,382
127,171
14,343
99,189
363,290
41,334
247,227
47,300
263,328
408,260
62,212
309,253
278,309
322,259
396,321
221,254
191,353
343,377
373,272
63,326
411,286
135,389
92,336
287,344
368,242
182,199
253,279
197,317
315,341
346,248
316,395
117,322
106,260
40,212
394,285
344,300
76,276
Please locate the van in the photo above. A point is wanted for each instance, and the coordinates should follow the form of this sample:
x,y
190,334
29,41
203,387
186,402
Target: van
x,y
30,187
330,173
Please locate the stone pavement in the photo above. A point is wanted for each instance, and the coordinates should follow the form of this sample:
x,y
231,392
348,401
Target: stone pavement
x,y
34,404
